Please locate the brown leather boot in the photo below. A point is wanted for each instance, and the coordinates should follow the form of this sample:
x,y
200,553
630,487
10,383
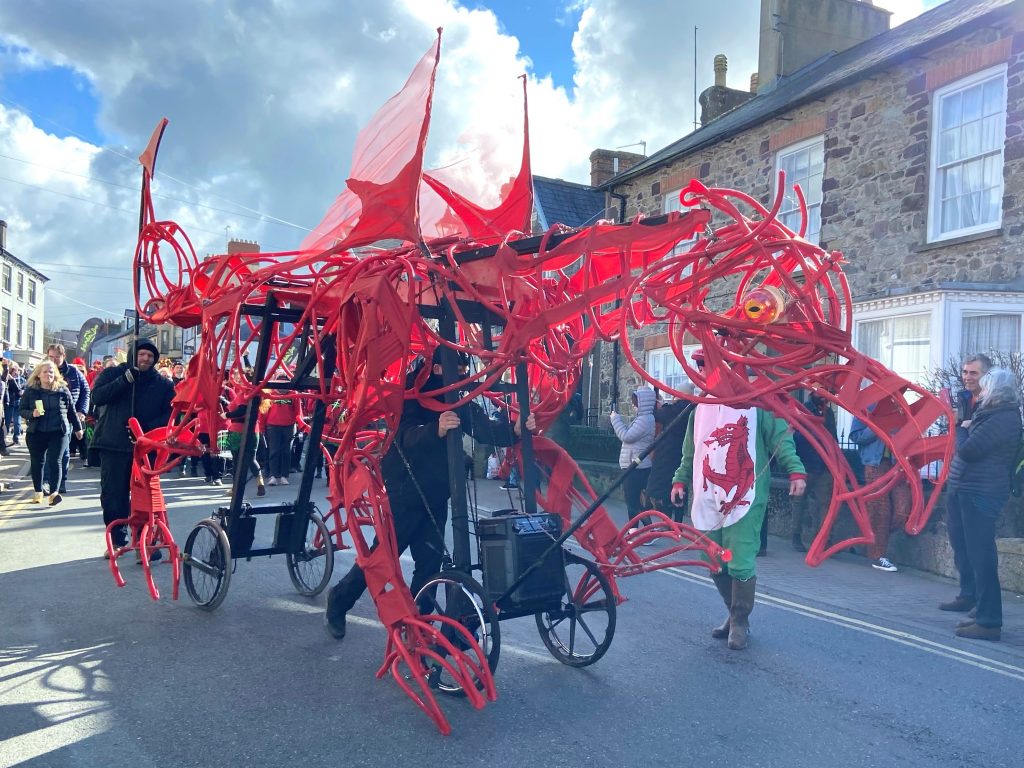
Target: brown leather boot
x,y
724,583
739,612
978,632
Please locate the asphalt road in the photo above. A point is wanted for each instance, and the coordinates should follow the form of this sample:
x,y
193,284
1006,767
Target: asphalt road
x,y
91,675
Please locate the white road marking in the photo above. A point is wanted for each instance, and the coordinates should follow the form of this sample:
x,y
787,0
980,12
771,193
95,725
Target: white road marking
x,y
894,635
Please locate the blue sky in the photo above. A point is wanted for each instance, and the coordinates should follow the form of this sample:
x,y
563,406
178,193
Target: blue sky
x,y
545,29
61,100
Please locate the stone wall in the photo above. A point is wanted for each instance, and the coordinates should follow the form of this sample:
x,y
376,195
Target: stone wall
x,y
875,187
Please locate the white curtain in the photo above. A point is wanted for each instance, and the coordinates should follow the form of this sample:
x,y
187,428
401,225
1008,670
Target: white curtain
x,y
990,333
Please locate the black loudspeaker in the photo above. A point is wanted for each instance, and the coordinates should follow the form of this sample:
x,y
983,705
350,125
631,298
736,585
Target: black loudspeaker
x,y
510,545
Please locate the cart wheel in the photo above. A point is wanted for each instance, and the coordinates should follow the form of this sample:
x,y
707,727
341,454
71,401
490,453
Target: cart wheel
x,y
580,631
459,596
311,568
206,564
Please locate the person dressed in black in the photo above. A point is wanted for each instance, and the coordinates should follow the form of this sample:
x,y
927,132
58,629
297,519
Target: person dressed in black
x,y
49,413
123,391
667,457
415,471
819,479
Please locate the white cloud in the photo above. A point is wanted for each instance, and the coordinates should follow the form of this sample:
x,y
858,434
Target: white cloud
x,y
265,99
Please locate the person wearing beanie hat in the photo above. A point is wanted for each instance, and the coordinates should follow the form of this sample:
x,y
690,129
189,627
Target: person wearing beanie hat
x,y
130,389
79,362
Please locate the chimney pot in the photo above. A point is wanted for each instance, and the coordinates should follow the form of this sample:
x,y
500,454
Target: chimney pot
x,y
3,235
721,67
753,83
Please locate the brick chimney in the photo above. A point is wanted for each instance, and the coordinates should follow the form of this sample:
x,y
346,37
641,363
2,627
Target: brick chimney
x,y
605,163
719,98
3,235
795,33
243,246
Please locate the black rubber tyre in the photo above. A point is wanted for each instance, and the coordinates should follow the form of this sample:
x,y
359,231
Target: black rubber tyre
x,y
456,595
206,564
581,630
311,569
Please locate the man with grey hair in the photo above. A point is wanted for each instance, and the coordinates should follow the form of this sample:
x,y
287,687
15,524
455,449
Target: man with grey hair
x,y
977,490
973,368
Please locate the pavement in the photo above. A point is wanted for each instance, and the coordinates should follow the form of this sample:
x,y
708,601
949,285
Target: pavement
x,y
844,584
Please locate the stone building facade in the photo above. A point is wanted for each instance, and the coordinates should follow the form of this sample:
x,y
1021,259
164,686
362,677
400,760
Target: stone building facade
x,y
909,149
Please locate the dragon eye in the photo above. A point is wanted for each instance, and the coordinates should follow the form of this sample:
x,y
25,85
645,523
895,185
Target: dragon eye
x,y
763,305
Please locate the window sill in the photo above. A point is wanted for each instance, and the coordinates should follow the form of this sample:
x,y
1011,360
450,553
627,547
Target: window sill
x,y
958,240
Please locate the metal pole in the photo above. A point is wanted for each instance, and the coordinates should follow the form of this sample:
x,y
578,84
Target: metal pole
x,y
302,506
530,480
252,413
461,551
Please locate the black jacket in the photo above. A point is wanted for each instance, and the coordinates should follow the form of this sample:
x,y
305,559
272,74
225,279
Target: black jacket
x,y
982,462
58,411
668,455
427,454
808,455
113,392
15,386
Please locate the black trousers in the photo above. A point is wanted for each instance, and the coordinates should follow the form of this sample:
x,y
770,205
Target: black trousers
x,y
415,531
50,445
115,485
971,524
213,464
632,488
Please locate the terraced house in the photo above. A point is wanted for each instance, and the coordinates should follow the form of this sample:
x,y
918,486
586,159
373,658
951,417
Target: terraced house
x,y
908,145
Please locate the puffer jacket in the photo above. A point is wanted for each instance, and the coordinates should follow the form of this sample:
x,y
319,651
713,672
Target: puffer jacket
x,y
113,392
638,435
58,411
982,462
77,386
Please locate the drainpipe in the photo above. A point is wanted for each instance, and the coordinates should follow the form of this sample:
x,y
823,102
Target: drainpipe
x,y
618,303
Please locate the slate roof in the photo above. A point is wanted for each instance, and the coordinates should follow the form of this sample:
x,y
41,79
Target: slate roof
x,y
4,253
947,22
565,202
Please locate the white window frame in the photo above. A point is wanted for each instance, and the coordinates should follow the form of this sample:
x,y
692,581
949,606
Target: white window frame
x,y
670,202
19,330
33,286
5,324
7,278
31,334
19,280
894,316
661,359
801,146
934,190
658,357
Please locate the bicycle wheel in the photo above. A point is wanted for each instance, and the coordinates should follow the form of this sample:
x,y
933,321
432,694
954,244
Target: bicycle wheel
x,y
460,597
206,564
311,569
580,631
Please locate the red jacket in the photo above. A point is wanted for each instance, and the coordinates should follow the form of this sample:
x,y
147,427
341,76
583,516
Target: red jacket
x,y
284,410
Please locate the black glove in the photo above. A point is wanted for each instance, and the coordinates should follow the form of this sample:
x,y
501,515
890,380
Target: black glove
x,y
131,373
